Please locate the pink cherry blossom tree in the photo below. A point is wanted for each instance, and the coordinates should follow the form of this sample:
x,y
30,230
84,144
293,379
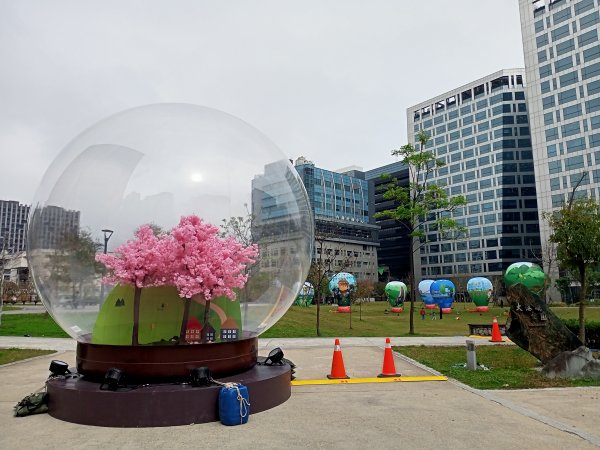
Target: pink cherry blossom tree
x,y
206,266
141,262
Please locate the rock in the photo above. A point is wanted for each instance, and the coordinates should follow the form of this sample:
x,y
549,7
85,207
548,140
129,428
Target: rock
x,y
569,364
591,370
534,327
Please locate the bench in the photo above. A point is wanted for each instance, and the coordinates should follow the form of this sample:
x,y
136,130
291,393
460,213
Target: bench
x,y
485,329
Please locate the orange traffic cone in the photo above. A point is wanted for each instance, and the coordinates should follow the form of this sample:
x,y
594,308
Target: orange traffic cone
x,y
337,364
389,368
496,335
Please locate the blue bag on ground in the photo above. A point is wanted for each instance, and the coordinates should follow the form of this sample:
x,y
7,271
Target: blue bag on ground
x,y
234,404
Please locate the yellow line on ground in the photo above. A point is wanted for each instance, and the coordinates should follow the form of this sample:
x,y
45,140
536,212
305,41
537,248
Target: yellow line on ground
x,y
476,336
368,380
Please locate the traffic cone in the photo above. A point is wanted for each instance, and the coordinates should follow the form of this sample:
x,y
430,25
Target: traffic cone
x,y
496,335
389,368
337,364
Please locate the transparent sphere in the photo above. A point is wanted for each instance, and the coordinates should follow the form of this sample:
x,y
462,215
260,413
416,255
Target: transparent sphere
x,y
230,238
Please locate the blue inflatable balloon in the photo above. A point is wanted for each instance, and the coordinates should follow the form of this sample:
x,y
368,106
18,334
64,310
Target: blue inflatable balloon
x,y
425,292
442,292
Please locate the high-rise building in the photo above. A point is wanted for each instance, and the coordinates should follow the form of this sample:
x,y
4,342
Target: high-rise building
x,y
394,242
481,131
340,204
13,226
562,63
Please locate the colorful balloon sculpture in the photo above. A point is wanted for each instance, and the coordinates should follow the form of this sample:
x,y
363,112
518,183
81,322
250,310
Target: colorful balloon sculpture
x,y
342,285
306,295
396,294
425,292
528,274
442,292
480,290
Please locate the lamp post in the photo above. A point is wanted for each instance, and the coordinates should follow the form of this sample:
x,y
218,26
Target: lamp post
x,y
107,234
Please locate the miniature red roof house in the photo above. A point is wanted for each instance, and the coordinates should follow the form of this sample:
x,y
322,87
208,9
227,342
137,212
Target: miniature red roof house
x,y
229,330
193,331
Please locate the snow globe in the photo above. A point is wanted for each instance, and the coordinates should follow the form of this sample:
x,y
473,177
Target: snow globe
x,y
169,237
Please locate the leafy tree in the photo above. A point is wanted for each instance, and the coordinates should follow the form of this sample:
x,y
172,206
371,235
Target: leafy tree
x,y
421,203
73,262
576,232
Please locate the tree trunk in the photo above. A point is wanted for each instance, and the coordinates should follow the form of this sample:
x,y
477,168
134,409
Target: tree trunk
x,y
411,328
205,324
137,294
318,298
582,298
350,315
186,314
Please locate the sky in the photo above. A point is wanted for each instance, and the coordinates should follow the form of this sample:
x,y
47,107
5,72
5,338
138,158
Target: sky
x,y
326,79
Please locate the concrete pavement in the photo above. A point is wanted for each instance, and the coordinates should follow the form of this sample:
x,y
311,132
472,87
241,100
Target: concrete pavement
x,y
421,415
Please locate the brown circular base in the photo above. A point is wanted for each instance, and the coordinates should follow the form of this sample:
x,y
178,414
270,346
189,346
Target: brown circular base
x,y
75,399
166,362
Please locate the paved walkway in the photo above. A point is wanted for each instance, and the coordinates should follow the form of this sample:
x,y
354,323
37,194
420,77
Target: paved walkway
x,y
269,343
423,415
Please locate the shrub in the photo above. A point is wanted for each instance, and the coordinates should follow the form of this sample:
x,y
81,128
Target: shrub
x,y
592,332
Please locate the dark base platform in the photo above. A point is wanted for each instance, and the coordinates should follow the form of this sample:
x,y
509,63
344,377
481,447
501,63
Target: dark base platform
x,y
78,400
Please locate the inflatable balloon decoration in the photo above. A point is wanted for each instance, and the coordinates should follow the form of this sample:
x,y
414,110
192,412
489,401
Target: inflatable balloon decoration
x,y
396,295
442,292
424,291
342,285
480,290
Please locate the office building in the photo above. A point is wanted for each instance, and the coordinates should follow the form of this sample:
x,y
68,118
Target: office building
x,y
13,226
562,63
481,131
394,241
340,204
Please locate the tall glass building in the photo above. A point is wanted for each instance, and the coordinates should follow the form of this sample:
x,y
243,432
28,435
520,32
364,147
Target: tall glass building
x,y
340,202
481,131
562,63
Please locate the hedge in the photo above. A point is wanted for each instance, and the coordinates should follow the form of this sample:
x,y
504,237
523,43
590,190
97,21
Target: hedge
x,y
592,332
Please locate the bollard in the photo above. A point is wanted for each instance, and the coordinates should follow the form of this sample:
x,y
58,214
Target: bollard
x,y
471,356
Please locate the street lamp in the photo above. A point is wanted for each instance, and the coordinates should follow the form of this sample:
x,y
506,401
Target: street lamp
x,y
107,234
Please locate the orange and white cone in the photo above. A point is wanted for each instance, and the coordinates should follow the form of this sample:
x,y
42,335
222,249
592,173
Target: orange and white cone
x,y
389,368
496,335
337,364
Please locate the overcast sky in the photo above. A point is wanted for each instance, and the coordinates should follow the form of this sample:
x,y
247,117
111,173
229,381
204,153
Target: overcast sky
x,y
329,80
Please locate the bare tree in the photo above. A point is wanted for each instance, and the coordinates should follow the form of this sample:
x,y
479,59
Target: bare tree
x,y
328,259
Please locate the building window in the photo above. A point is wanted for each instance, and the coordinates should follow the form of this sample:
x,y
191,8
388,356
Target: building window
x,y
575,145
589,20
587,38
565,47
570,129
563,64
552,134
571,111
590,71
548,102
560,32
574,162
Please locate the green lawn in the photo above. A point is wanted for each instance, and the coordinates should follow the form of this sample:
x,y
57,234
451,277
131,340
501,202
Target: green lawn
x,y
35,325
301,322
510,367
8,355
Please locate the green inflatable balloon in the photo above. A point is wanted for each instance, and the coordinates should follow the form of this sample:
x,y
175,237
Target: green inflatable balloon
x,y
396,293
528,274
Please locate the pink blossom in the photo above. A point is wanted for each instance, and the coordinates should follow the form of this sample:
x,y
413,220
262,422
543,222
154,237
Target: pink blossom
x,y
141,262
192,257
206,264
